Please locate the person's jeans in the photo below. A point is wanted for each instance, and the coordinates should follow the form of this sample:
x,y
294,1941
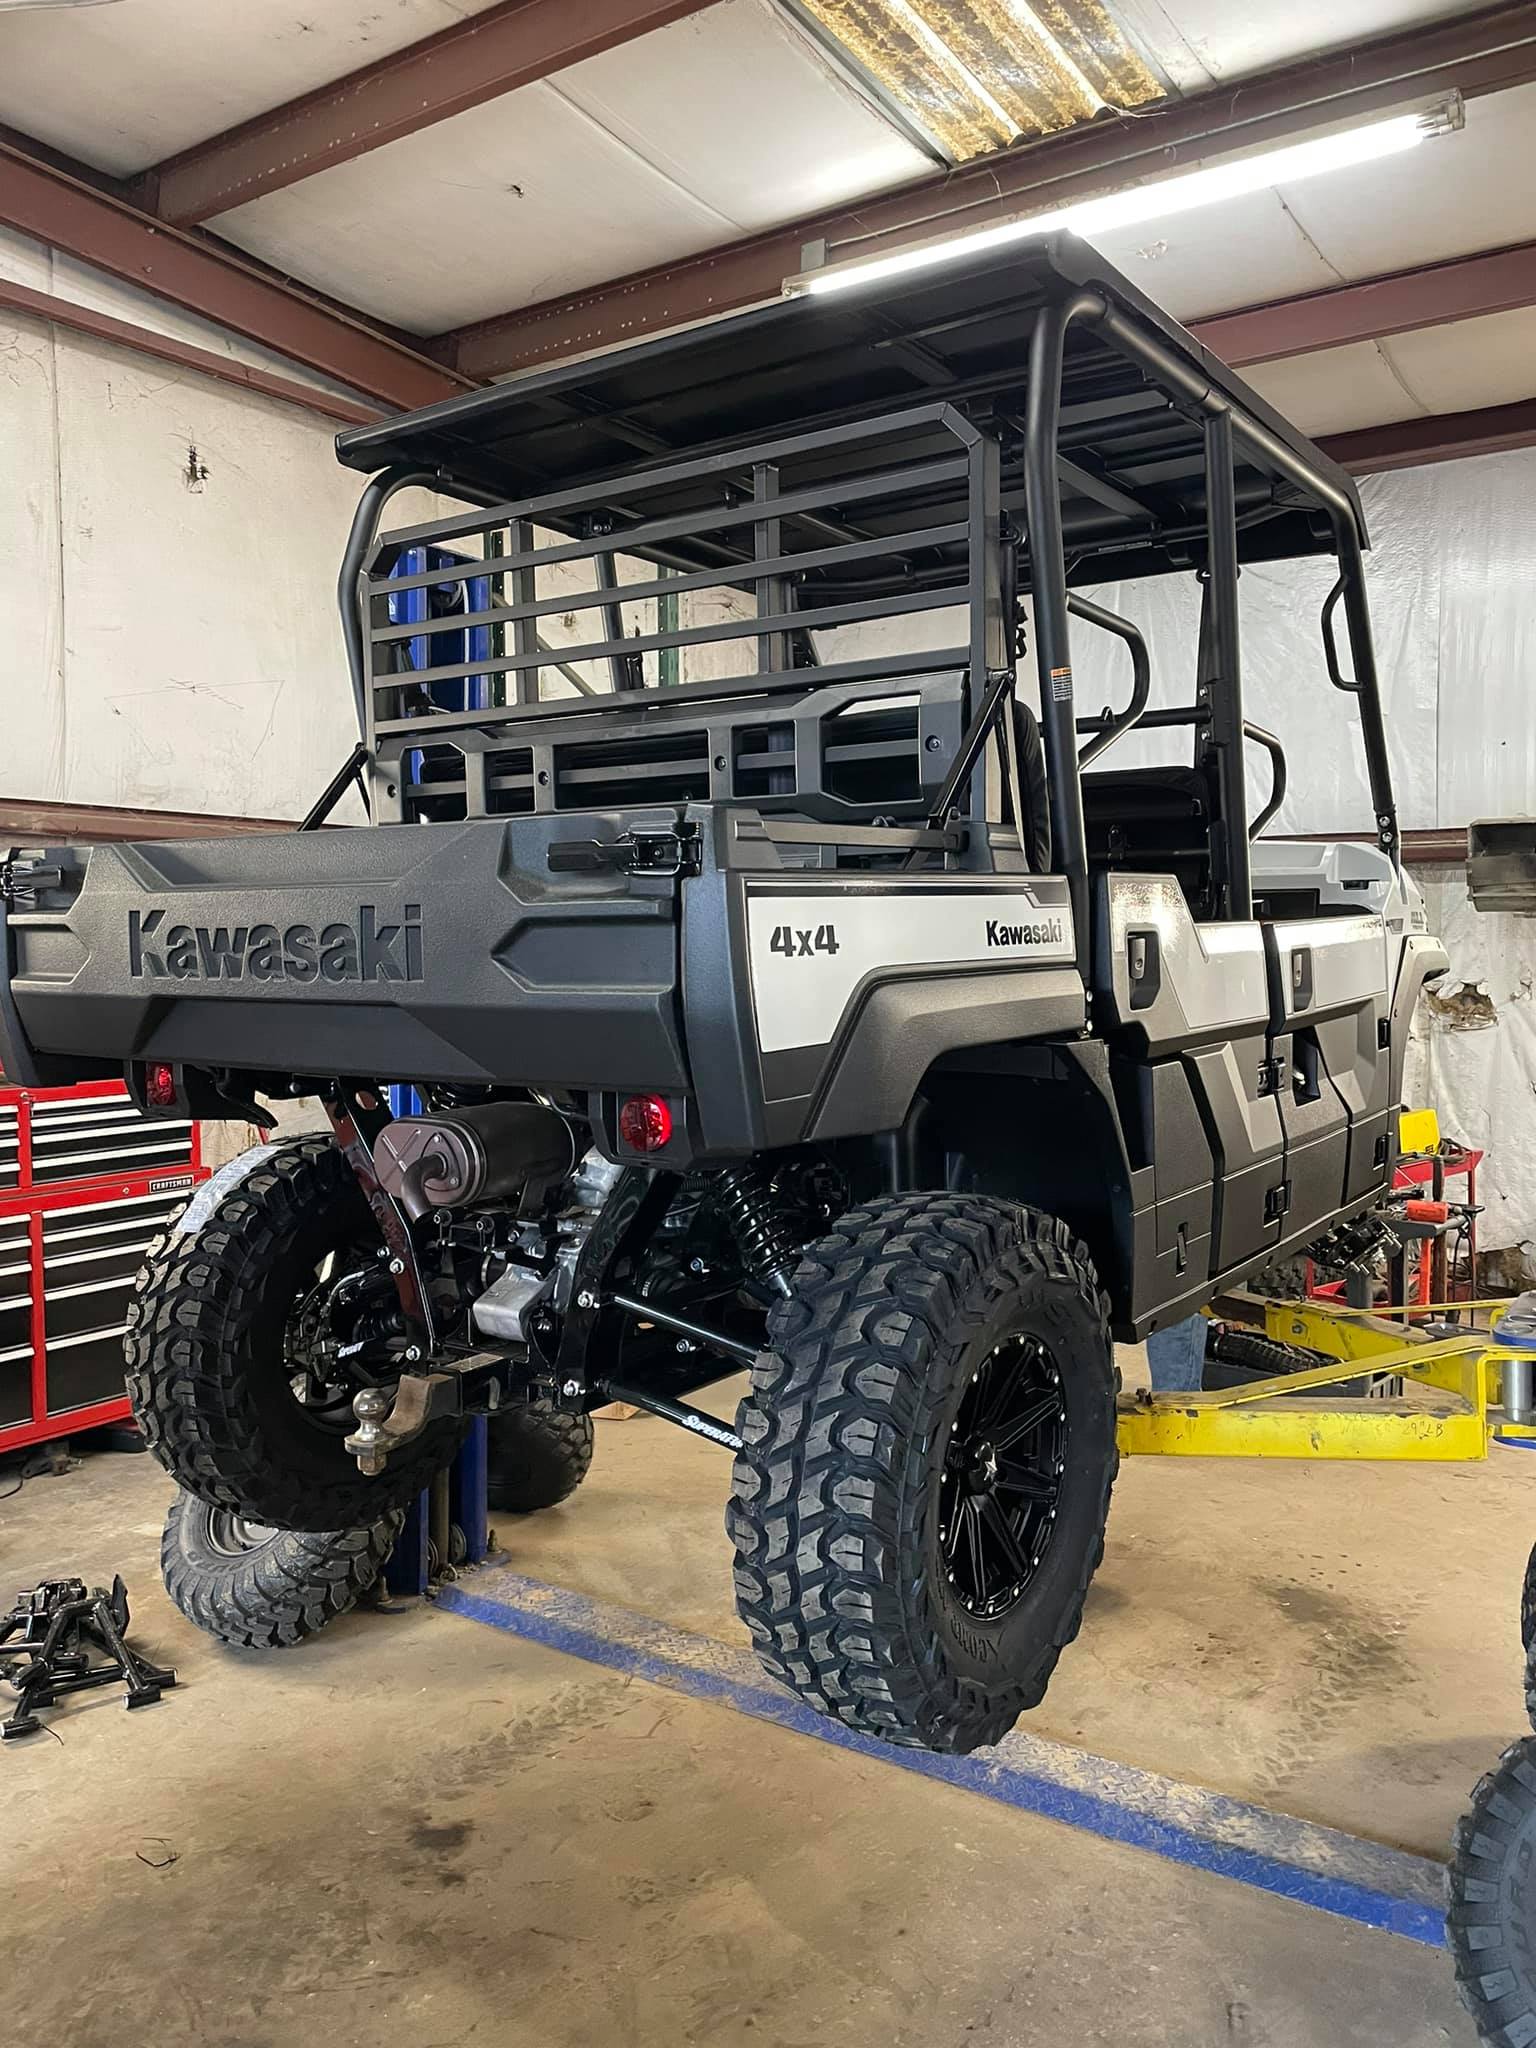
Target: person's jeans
x,y
1177,1356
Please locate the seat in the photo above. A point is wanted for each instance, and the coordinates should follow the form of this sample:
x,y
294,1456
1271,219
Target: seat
x,y
1152,821
1029,752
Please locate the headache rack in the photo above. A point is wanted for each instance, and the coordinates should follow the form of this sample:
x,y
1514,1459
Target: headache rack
x,y
671,634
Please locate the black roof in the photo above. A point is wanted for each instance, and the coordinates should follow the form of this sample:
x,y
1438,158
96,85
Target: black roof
x,y
1132,470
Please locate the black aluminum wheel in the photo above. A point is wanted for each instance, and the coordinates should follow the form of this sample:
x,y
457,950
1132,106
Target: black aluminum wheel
x,y
233,1337
1003,1467
927,1453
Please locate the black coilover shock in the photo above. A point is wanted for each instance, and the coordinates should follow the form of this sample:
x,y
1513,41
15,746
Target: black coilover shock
x,y
769,1250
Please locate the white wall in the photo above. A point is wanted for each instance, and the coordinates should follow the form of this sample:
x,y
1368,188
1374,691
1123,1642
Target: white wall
x,y
168,554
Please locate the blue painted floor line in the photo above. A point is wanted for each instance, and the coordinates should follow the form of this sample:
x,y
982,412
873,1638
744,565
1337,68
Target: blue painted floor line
x,y
1273,1852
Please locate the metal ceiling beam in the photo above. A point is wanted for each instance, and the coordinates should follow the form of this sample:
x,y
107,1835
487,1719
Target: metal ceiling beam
x,y
213,280
1435,294
513,44
1490,430
1474,54
206,362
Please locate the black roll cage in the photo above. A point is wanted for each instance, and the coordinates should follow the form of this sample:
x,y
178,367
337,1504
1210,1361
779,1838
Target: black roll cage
x,y
731,486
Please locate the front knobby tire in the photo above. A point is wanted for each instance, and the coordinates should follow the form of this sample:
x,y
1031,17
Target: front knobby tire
x,y
929,1447
211,1353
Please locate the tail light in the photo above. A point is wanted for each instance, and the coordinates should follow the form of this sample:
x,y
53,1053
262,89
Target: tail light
x,y
160,1086
645,1123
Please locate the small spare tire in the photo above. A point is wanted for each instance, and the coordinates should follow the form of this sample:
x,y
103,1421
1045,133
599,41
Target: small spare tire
x,y
266,1589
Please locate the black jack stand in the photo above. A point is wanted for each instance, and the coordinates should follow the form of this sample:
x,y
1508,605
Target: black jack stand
x,y
46,1646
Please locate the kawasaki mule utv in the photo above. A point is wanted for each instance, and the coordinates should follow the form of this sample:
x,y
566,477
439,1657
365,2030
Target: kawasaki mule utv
x,y
780,988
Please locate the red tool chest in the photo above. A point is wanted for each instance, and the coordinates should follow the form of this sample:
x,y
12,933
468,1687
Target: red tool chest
x,y
86,1182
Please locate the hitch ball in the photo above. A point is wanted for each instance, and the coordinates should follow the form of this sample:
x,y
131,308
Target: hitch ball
x,y
369,1442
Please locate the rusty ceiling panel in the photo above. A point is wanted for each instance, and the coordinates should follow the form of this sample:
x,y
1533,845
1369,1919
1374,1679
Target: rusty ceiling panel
x,y
1011,62
1094,41
891,45
978,74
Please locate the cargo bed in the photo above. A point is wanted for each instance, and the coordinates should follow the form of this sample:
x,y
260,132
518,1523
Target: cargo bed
x,y
445,953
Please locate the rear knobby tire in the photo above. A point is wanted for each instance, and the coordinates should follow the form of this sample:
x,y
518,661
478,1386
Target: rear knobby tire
x,y
1528,1635
536,1457
266,1589
208,1373
1491,1901
840,1504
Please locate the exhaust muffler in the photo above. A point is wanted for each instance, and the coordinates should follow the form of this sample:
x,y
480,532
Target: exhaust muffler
x,y
467,1158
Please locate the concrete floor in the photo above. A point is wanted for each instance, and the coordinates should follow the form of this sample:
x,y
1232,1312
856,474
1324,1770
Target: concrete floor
x,y
421,1831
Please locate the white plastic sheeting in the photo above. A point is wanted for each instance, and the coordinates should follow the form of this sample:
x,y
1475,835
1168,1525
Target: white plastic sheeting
x,y
1452,580
1474,1052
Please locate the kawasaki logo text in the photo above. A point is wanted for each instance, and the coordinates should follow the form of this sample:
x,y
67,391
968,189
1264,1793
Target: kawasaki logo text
x,y
364,950
1048,933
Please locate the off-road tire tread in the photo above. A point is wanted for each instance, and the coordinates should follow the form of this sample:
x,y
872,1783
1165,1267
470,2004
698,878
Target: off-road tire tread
x,y
188,1381
275,1596
537,1457
1495,1979
827,1494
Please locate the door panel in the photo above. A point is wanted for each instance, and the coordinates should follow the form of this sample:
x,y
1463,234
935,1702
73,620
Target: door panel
x,y
1172,981
1248,1139
1361,1072
1328,965
1328,989
1316,1134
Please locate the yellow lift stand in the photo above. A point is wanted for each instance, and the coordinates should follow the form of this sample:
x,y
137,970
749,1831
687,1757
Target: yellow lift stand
x,y
1448,1412
1453,1403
